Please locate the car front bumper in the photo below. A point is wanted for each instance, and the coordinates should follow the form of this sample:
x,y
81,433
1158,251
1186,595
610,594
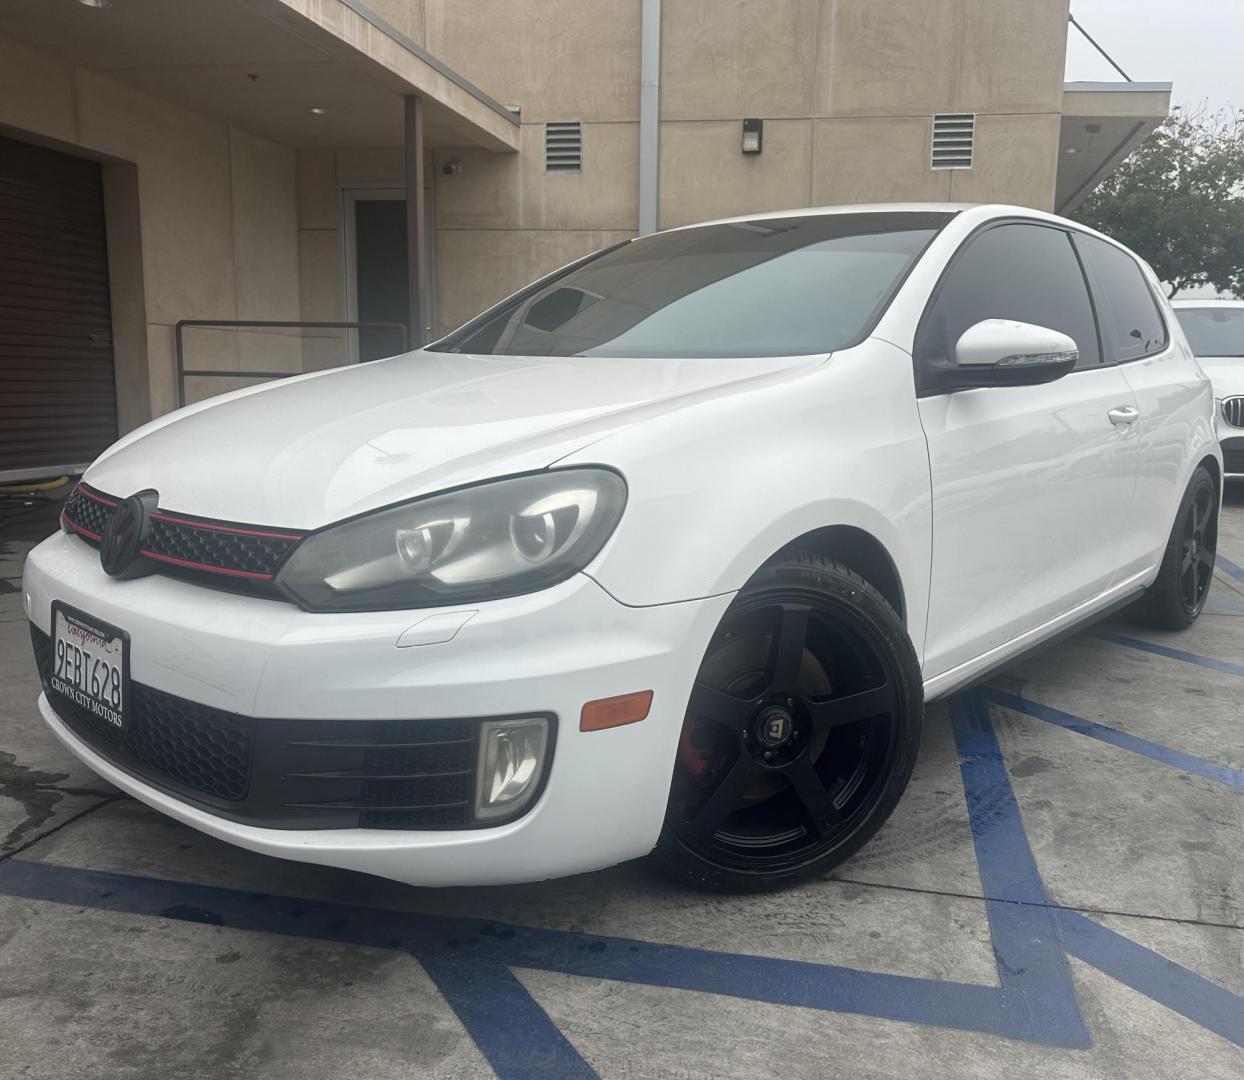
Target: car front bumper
x,y
1231,440
545,653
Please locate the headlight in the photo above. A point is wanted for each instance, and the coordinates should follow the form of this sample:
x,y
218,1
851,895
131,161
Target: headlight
x,y
478,543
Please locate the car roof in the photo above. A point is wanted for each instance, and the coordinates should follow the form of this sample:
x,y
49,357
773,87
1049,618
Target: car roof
x,y
976,213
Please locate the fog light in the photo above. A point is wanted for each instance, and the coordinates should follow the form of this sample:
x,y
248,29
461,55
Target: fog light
x,y
511,762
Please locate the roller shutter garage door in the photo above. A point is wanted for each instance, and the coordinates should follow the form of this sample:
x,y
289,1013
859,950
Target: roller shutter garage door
x,y
58,406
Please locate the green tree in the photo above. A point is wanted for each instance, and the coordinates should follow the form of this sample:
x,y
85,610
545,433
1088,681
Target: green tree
x,y
1178,202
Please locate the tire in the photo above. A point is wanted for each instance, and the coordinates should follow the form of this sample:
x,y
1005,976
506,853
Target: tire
x,y
800,734
1178,593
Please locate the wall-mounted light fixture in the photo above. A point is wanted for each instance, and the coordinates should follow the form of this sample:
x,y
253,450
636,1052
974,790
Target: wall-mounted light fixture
x,y
452,167
753,136
318,110
96,3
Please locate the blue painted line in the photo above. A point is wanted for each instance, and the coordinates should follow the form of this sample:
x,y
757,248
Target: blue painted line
x,y
463,948
1172,654
1153,975
1176,759
1008,870
1223,607
1228,567
506,1022
1029,1015
1027,948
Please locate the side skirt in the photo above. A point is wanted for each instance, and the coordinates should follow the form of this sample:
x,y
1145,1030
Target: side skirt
x,y
1034,641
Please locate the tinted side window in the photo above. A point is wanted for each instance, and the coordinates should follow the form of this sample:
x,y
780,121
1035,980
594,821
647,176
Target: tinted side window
x,y
1023,272
1131,325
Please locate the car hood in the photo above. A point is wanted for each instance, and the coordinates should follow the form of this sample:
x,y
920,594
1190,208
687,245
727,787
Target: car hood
x,y
1226,373
321,447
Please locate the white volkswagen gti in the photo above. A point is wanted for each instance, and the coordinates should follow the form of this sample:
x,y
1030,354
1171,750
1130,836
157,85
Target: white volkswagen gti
x,y
1215,332
666,551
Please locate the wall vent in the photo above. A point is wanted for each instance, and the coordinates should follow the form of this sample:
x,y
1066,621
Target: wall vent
x,y
952,140
563,147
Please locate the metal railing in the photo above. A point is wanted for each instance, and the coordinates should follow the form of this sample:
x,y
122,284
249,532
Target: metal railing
x,y
234,324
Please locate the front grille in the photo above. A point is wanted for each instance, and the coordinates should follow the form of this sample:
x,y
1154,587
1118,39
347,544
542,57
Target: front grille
x,y
188,543
89,514
1233,411
293,774
1233,455
175,543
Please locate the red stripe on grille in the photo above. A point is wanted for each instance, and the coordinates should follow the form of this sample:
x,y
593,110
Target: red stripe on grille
x,y
84,490
193,524
206,567
78,528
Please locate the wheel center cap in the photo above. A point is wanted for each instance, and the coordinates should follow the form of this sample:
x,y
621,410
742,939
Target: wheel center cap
x,y
773,726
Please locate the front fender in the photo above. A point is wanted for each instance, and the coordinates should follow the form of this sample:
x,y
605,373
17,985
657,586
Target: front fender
x,y
716,489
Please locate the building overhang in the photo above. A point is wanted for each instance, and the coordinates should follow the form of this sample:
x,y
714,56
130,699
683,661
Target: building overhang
x,y
1103,122
265,65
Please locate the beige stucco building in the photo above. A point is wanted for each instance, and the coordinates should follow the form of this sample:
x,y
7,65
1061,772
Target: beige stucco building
x,y
254,160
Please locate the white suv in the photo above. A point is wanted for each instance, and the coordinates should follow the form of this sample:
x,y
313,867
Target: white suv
x,y
666,551
1215,331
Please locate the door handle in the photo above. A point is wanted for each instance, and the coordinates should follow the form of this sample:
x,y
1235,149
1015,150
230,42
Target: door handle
x,y
1124,414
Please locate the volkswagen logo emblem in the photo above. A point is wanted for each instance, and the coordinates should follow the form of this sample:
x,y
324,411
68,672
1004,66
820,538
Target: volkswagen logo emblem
x,y
774,727
125,531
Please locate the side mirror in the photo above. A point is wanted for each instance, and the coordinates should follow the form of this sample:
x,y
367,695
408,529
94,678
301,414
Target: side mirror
x,y
1003,352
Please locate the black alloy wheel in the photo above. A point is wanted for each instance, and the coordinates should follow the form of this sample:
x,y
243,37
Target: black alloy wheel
x,y
800,733
1178,594
1196,550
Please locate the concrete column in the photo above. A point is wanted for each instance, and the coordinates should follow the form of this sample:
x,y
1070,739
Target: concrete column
x,y
416,233
649,116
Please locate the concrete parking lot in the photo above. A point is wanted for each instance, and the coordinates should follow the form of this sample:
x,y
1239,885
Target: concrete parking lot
x,y
1060,893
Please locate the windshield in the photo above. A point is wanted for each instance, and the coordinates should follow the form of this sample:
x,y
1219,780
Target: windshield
x,y
780,287
1214,331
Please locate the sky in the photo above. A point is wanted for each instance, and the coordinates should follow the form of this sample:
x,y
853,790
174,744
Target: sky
x,y
1196,44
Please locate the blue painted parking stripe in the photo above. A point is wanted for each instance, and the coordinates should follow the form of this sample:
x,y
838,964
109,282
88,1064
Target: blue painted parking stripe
x,y
1178,759
1227,566
1036,1014
1223,607
1153,975
1008,870
1169,653
1027,948
454,949
506,1022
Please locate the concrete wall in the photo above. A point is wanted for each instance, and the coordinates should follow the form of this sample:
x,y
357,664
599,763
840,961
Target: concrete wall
x,y
216,220
502,220
322,177
847,89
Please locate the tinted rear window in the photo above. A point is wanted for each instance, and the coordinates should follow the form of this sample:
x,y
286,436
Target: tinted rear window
x,y
783,287
1131,326
1213,331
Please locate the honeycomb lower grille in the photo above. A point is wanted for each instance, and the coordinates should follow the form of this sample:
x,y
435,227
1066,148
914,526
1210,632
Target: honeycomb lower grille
x,y
295,774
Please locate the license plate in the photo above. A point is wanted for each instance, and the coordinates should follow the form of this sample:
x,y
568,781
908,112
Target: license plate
x,y
91,664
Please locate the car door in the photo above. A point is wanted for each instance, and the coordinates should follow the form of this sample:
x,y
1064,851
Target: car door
x,y
1169,390
1031,485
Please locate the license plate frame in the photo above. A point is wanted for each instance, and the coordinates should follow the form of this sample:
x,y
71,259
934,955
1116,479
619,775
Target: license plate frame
x,y
96,643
